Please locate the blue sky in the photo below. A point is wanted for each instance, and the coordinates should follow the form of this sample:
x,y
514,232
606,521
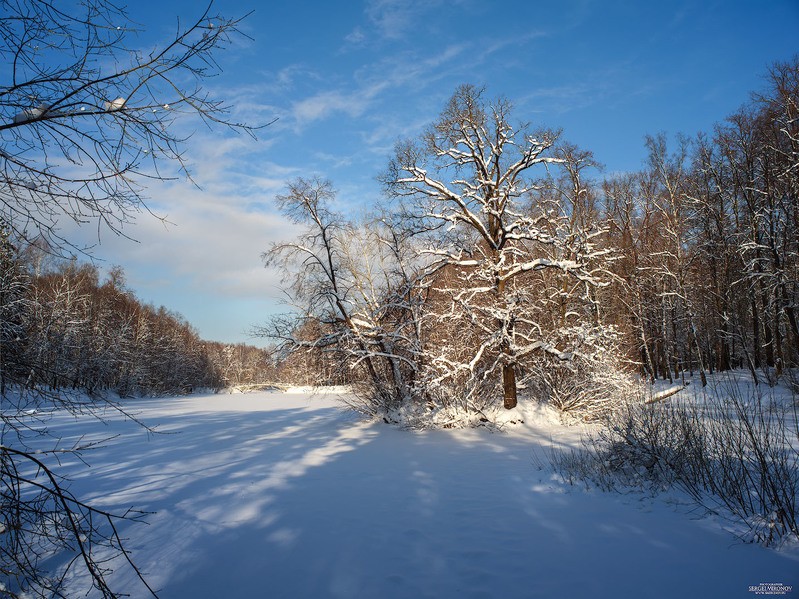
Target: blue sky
x,y
347,79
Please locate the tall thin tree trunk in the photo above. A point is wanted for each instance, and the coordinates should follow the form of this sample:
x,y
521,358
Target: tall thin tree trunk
x,y
768,334
648,362
755,331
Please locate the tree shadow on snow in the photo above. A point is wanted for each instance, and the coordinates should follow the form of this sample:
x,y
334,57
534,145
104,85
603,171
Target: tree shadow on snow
x,y
311,502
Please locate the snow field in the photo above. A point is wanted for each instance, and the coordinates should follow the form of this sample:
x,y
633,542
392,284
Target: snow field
x,y
285,495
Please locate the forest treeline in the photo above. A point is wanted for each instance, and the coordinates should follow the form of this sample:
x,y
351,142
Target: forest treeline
x,y
502,260
64,327
708,237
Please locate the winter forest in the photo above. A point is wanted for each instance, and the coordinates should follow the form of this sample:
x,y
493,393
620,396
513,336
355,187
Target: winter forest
x,y
501,260
502,277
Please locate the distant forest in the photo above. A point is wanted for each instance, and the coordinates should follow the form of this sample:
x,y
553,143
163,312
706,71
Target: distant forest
x,y
65,328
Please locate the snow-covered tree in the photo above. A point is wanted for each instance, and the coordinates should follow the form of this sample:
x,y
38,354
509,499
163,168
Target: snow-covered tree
x,y
470,186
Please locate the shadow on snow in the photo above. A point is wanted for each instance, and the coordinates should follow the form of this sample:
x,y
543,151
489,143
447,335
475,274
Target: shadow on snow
x,y
307,501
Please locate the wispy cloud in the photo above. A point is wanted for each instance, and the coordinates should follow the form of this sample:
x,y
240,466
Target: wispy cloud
x,y
392,17
497,45
325,104
370,81
333,160
559,99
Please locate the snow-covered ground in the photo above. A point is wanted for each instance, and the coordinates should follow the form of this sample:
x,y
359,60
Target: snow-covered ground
x,y
284,495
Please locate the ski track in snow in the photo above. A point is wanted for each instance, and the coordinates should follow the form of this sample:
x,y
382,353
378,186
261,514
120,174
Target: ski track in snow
x,y
284,495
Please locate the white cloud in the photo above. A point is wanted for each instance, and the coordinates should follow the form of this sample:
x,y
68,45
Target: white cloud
x,y
354,103
334,160
558,99
392,17
395,18
371,80
206,257
325,104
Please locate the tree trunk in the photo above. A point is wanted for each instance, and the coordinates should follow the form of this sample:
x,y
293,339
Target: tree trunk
x,y
755,330
508,373
768,334
509,387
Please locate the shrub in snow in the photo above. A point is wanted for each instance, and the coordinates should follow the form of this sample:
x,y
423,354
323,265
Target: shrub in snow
x,y
589,382
734,455
432,414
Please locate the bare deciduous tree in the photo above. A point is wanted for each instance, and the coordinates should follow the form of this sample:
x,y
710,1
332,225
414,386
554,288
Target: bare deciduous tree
x,y
350,289
86,119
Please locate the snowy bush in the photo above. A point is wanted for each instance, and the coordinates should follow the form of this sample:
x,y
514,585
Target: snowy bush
x,y
733,455
590,382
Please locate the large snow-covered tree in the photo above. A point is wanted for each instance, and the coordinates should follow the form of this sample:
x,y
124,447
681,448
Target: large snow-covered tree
x,y
470,186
